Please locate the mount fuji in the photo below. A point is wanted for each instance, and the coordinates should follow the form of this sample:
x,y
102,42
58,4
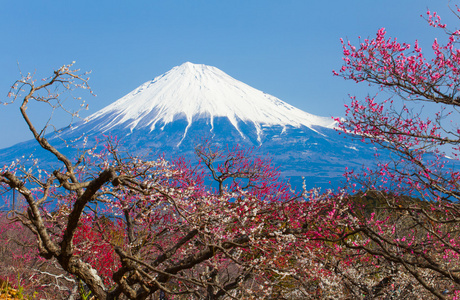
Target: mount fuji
x,y
191,103
198,92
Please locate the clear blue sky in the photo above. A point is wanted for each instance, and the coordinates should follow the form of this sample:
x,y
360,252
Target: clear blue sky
x,y
285,48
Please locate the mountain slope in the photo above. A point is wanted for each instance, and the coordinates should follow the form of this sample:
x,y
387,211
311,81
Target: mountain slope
x,y
193,103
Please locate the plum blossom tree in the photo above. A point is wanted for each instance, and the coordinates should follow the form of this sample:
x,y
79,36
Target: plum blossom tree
x,y
411,234
132,228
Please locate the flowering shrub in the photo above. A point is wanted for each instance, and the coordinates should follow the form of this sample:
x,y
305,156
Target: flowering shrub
x,y
411,236
133,227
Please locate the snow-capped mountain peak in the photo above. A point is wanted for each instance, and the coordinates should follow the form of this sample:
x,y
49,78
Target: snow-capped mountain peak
x,y
197,91
192,103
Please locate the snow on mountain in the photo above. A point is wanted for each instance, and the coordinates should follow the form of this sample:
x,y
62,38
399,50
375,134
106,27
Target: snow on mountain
x,y
195,91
